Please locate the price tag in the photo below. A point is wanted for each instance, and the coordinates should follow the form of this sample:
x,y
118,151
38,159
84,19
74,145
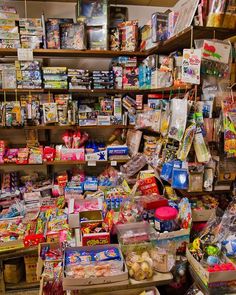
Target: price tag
x,y
92,163
113,163
25,54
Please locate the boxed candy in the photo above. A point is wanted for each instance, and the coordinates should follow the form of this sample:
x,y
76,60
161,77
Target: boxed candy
x,y
97,156
93,265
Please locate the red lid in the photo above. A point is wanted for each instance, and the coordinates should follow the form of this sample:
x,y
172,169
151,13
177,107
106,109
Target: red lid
x,y
166,213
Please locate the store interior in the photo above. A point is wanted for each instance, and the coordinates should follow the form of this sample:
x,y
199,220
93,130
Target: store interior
x,y
118,147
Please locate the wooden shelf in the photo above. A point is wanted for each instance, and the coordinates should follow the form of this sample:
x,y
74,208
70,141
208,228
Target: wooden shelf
x,y
98,91
166,3
183,39
22,286
49,53
177,42
56,163
56,127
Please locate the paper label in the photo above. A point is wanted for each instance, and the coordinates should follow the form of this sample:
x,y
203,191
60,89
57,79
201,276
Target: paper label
x,y
216,51
191,65
113,163
25,54
92,163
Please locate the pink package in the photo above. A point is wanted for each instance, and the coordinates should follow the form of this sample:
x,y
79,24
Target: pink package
x,y
87,205
68,154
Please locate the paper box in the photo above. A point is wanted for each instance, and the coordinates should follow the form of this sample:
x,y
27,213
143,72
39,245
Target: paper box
x,y
210,277
95,239
40,263
99,156
70,283
117,150
68,154
202,214
180,238
93,216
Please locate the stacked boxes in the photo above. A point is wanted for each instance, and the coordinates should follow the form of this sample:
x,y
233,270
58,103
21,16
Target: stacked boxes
x,y
28,75
103,80
53,31
55,77
31,32
9,35
79,79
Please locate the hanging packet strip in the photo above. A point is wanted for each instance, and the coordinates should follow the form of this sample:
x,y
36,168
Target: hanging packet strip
x,y
179,109
200,147
191,66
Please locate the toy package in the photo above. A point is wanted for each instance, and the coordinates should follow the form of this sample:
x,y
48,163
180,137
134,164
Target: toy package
x,y
50,113
97,38
130,78
94,11
129,35
159,27
53,31
73,36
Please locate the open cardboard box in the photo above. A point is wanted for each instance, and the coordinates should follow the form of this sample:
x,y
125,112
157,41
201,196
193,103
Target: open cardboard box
x,y
203,214
180,238
210,277
74,218
72,282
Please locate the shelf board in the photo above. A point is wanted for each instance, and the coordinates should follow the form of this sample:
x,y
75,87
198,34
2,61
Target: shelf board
x,y
56,127
166,3
98,91
47,53
183,39
22,286
56,163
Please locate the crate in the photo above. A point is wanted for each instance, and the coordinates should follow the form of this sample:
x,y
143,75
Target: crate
x,y
31,258
13,271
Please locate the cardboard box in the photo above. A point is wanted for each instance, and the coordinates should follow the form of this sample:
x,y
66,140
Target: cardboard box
x,y
13,271
209,277
202,214
180,238
74,218
72,282
95,239
99,156
40,262
93,216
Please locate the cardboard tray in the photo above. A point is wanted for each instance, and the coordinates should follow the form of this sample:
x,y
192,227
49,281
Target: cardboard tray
x,y
67,282
203,214
209,277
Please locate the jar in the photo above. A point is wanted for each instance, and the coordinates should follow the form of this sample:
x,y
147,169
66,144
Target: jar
x,y
165,219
